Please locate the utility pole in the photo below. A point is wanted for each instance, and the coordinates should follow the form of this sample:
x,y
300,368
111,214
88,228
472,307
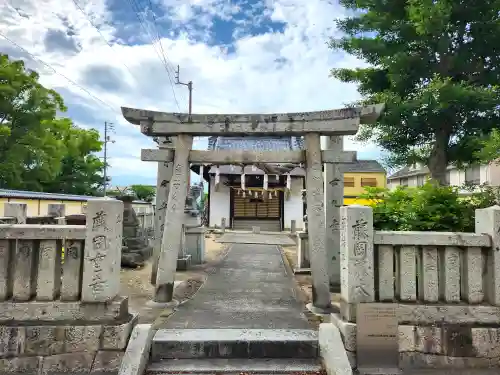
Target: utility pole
x,y
190,108
107,126
190,88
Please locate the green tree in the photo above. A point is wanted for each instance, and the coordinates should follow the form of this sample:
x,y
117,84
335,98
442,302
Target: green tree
x,y
144,192
491,148
40,151
428,208
434,63
81,171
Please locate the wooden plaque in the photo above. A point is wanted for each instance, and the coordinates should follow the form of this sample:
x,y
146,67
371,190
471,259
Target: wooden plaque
x,y
377,337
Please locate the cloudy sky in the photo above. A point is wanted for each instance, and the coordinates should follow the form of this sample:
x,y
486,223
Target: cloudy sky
x,y
242,55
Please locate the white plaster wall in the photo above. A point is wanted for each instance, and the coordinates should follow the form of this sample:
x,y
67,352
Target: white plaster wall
x,y
493,177
485,175
412,181
219,202
293,207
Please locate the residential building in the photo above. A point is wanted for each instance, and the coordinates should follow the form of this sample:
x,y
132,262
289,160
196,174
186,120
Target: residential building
x,y
417,174
358,176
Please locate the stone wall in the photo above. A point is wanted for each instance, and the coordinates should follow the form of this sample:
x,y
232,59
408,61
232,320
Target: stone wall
x,y
446,287
58,314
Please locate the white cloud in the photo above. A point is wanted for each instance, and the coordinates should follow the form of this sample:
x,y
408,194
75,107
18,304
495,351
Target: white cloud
x,y
284,71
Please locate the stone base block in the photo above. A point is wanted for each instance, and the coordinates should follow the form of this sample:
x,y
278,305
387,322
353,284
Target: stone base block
x,y
435,346
93,363
53,311
183,263
135,257
48,340
107,362
302,271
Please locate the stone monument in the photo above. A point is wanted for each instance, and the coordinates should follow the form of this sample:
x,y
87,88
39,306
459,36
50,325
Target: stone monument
x,y
192,219
135,250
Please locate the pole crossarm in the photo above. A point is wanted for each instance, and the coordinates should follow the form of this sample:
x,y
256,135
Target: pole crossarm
x,y
343,121
247,157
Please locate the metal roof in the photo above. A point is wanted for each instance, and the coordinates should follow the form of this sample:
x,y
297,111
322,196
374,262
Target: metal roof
x,y
8,193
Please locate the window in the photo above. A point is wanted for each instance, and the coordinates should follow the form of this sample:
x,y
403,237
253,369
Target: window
x,y
420,180
369,182
404,182
348,181
473,175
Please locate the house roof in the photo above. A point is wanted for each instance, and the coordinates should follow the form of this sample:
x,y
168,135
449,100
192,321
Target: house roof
x,y
408,171
363,166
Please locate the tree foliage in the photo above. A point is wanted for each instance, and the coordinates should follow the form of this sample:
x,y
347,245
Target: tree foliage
x,y
428,208
490,150
143,192
39,150
434,63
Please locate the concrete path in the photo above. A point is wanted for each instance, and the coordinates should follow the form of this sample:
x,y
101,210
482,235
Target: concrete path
x,y
250,288
252,238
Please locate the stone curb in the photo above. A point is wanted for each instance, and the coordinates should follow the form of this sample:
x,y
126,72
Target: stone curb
x,y
136,357
300,295
332,351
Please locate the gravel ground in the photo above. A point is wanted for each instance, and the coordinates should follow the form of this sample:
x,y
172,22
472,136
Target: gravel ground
x,y
135,282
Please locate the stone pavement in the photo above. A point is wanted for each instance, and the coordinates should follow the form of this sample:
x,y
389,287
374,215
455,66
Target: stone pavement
x,y
250,288
269,238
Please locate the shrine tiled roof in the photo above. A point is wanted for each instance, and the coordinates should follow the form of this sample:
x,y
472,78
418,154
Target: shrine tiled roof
x,y
249,143
255,143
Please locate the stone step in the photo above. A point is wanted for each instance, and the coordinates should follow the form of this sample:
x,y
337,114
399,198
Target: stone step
x,y
234,343
235,366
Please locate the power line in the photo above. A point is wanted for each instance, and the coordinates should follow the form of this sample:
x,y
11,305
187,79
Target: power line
x,y
100,101
100,33
136,9
165,58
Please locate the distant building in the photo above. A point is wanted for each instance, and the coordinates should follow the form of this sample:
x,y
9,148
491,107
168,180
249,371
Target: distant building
x,y
37,203
358,176
418,174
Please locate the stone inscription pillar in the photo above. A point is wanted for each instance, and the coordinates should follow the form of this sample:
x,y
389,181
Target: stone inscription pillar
x,y
103,248
162,189
334,199
356,258
172,233
316,222
488,222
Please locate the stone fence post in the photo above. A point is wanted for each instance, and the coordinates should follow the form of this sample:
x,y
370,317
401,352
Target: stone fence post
x,y
103,247
56,210
356,258
488,222
17,210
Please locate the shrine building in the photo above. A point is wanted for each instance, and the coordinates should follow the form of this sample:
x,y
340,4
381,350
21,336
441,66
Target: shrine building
x,y
270,201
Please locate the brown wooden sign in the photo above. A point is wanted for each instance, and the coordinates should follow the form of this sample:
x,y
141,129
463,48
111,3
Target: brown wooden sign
x,y
377,337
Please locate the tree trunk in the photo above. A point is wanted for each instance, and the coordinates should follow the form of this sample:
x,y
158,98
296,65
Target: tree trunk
x,y
438,159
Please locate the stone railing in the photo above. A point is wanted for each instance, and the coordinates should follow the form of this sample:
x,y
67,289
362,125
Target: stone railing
x,y
445,286
63,315
431,267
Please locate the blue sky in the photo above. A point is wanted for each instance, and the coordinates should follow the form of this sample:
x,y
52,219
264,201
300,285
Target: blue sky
x,y
242,56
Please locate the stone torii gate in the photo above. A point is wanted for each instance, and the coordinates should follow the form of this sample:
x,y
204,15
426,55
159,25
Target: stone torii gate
x,y
311,125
